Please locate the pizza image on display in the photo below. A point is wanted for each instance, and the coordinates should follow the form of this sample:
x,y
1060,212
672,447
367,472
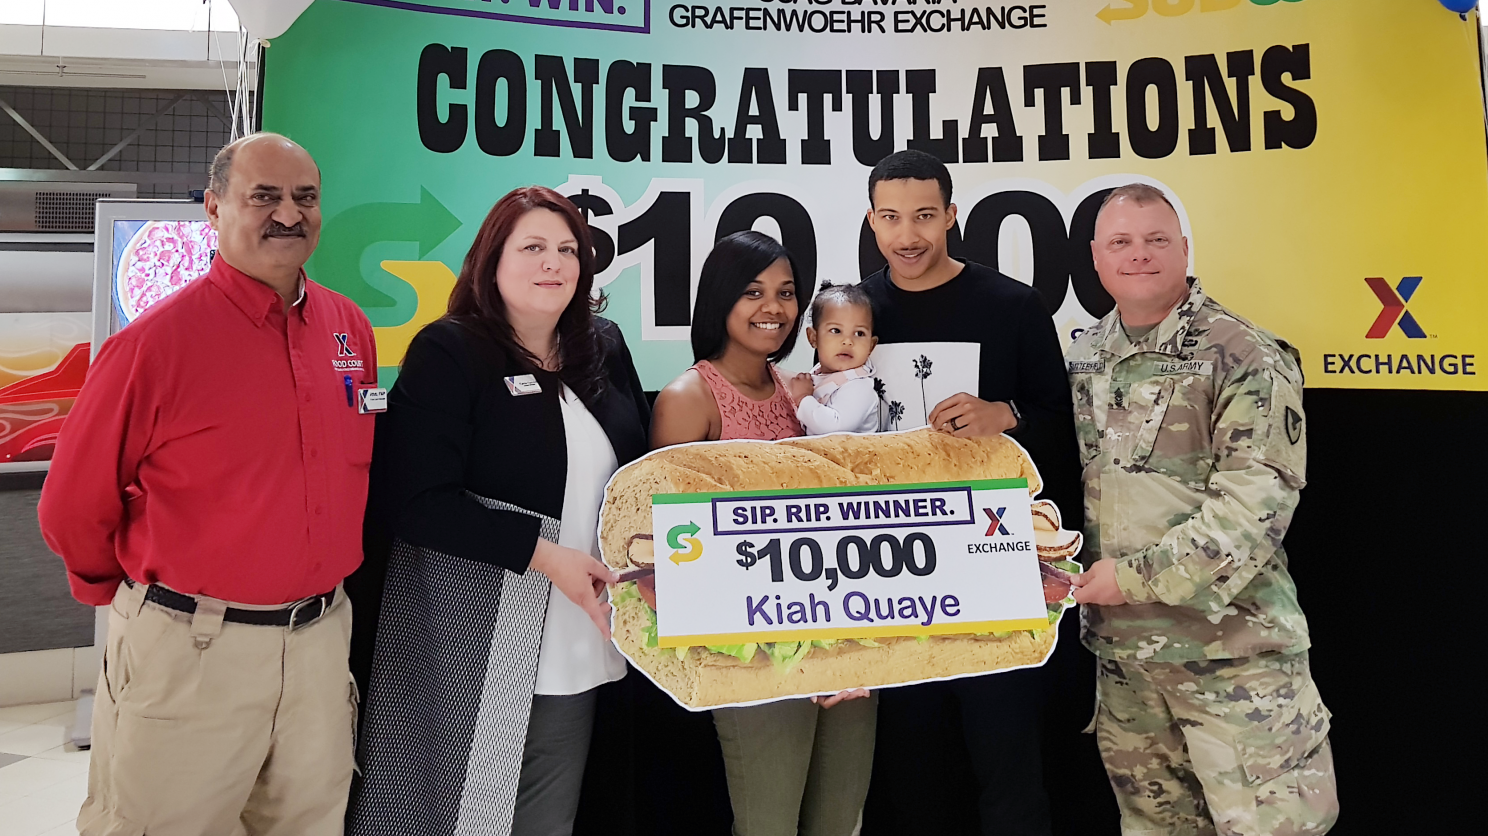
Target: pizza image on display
x,y
161,258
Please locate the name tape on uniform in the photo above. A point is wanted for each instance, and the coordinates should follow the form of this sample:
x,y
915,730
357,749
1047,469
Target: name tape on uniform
x,y
1204,367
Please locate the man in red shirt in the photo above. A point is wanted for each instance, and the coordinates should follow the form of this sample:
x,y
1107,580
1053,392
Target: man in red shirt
x,y
209,487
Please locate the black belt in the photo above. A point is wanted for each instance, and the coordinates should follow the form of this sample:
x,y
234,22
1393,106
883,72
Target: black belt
x,y
294,616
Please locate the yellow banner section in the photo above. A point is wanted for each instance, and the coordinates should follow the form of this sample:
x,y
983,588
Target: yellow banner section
x,y
1365,248
901,630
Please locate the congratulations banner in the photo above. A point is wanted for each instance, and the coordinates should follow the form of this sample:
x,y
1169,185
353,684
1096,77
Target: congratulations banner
x,y
1327,157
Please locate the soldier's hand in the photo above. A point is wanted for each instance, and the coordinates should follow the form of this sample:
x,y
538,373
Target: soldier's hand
x,y
963,416
1098,585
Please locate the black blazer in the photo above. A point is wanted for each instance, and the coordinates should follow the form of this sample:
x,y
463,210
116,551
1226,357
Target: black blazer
x,y
452,426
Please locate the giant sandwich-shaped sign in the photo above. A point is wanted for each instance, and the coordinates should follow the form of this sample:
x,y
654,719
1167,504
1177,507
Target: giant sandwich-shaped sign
x,y
755,571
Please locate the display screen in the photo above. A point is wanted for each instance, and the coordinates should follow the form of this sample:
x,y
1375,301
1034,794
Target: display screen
x,y
153,259
43,359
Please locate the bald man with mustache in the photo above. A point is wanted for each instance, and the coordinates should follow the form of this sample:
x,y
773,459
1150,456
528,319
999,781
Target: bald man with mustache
x,y
208,487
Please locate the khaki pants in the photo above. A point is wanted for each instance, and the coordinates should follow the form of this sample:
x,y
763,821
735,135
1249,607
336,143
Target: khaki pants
x,y
1237,747
252,734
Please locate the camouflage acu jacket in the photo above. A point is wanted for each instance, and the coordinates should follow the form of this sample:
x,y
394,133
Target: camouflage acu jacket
x,y
1194,452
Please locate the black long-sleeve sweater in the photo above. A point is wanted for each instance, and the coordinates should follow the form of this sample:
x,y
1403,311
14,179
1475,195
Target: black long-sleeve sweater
x,y
1020,360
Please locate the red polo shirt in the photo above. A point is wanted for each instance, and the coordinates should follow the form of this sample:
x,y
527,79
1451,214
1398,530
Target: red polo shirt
x,y
215,448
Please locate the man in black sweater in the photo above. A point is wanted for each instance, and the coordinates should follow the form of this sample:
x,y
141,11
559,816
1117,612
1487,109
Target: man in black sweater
x,y
929,734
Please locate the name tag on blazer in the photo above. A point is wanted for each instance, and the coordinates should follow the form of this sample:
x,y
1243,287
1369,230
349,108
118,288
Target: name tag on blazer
x,y
523,384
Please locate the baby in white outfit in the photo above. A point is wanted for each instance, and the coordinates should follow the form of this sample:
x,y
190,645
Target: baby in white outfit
x,y
838,396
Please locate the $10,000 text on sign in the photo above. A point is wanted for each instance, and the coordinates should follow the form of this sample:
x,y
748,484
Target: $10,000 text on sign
x,y
842,563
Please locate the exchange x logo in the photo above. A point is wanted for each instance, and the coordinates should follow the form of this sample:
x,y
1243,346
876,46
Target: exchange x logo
x,y
1393,302
342,349
996,527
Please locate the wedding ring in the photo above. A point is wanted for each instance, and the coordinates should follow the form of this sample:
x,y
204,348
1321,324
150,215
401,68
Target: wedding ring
x,y
955,426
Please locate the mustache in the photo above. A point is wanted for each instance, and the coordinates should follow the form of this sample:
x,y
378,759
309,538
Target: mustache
x,y
279,230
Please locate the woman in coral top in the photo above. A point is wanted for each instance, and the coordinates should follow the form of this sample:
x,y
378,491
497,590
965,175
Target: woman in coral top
x,y
745,321
793,766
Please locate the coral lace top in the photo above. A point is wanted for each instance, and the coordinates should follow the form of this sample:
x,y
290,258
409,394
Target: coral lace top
x,y
746,418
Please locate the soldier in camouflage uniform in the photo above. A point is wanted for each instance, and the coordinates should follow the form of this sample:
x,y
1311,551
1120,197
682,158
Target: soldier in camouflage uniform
x,y
1191,436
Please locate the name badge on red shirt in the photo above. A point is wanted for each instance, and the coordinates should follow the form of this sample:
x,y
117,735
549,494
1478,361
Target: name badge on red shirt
x,y
371,400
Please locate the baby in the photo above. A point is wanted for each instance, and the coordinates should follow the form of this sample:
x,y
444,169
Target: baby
x,y
838,395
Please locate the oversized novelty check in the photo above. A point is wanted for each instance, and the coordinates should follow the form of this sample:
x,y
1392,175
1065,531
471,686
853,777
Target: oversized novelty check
x,y
840,563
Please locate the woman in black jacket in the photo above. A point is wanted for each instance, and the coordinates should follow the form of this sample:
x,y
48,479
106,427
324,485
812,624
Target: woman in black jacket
x,y
506,421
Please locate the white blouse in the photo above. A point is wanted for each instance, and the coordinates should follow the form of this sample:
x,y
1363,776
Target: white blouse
x,y
574,656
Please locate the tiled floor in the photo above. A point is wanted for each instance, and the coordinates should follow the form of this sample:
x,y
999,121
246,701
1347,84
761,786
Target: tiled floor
x,y
42,784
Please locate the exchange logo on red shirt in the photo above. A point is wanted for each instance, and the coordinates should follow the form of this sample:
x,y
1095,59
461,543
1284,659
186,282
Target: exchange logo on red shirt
x,y
343,349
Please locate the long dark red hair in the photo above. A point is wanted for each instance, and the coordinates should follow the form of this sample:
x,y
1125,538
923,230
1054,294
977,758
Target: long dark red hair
x,y
476,303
